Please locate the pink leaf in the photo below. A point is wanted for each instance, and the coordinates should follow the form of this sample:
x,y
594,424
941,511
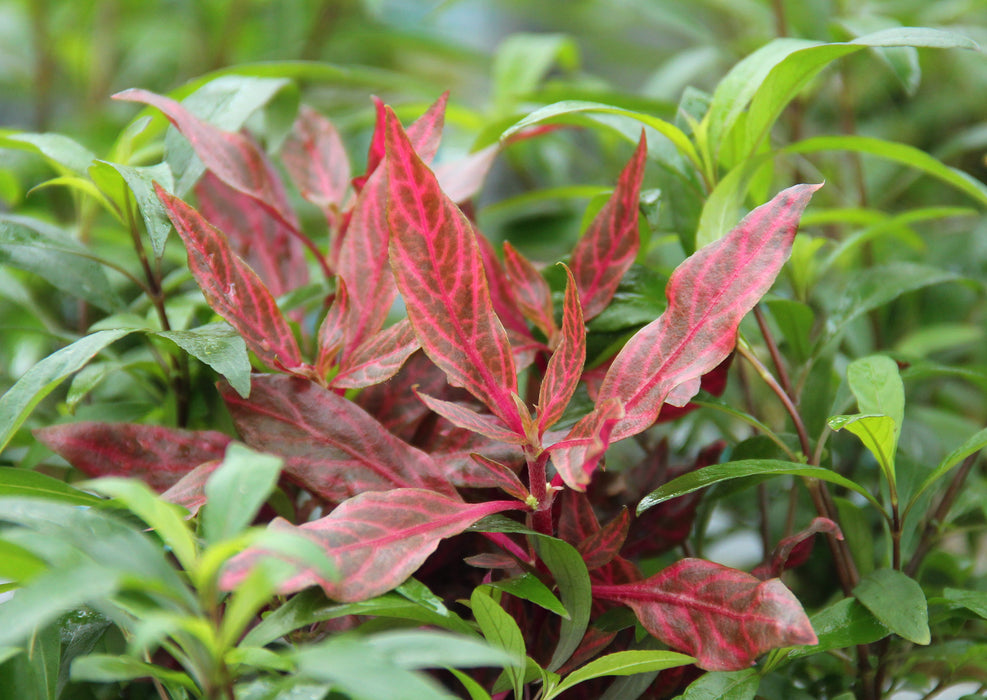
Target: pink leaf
x,y
332,332
375,540
533,294
500,476
232,289
439,271
724,617
361,259
314,156
190,491
378,359
708,295
394,402
157,455
575,458
484,424
794,550
331,446
602,546
608,248
259,238
462,179
566,364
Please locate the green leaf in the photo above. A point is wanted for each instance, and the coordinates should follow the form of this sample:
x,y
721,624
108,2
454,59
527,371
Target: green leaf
x,y
18,564
716,473
23,482
846,623
40,380
46,251
219,346
166,519
795,320
624,663
474,689
898,602
974,601
575,590
876,383
59,150
878,435
420,649
529,587
500,629
974,443
522,61
44,655
110,668
112,177
732,685
237,490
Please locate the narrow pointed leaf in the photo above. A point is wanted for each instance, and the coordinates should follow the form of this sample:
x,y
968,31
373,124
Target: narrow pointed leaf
x,y
566,364
157,455
314,156
236,491
232,289
375,540
708,296
331,446
24,482
502,631
624,663
974,443
484,424
795,549
723,617
332,331
501,476
534,296
602,546
573,581
379,358
424,134
438,268
608,248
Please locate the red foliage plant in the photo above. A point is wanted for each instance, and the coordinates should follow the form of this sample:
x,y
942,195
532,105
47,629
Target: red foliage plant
x,y
406,433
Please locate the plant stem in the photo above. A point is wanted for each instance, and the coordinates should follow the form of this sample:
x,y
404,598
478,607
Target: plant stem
x,y
538,487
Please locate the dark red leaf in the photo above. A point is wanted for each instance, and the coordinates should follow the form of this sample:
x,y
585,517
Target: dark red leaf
x,y
566,364
190,491
378,359
793,551
394,402
332,331
157,455
232,289
499,476
534,296
375,540
463,417
723,617
601,547
314,156
708,296
608,248
439,271
331,446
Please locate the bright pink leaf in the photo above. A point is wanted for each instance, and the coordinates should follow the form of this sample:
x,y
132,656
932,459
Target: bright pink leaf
x,y
157,455
566,364
575,458
608,247
375,540
499,476
708,296
723,617
261,239
314,156
533,293
438,268
232,289
484,424
332,332
331,446
462,179
793,551
378,359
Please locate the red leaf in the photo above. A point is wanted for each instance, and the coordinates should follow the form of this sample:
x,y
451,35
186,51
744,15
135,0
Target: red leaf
x,y
394,402
608,248
576,456
534,296
378,359
361,258
331,446
375,540
794,550
601,547
708,295
438,268
724,617
232,289
499,476
314,156
157,455
332,332
566,364
462,179
265,243
462,417
190,491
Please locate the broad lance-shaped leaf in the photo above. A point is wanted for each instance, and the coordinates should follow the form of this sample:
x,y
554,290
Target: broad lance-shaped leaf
x,y
566,364
708,295
375,540
157,455
723,617
575,458
331,446
439,271
608,248
378,359
533,293
314,156
232,289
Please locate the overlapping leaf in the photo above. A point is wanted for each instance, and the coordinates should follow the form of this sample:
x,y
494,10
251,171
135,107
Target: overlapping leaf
x,y
158,455
379,358
608,248
232,289
314,156
534,296
331,446
566,364
723,617
439,271
375,540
